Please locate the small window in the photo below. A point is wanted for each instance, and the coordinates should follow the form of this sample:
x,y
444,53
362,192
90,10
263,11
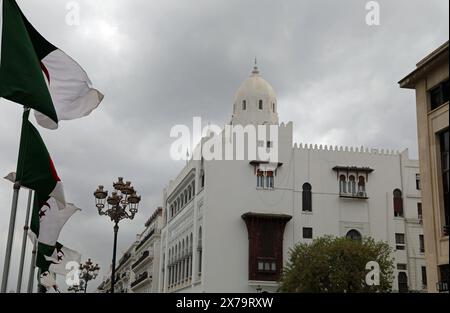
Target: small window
x,y
260,179
418,181
352,185
307,232
269,144
244,105
273,107
260,266
421,244
342,184
445,179
400,241
361,186
401,266
424,276
402,282
202,180
439,95
269,178
306,198
398,203
260,104
419,210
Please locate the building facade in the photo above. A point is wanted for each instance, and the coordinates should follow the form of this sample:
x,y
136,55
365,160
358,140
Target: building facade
x,y
138,268
228,225
430,80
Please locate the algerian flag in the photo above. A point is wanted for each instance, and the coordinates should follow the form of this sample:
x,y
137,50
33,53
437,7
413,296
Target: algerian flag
x,y
61,258
48,280
36,74
48,218
56,258
35,169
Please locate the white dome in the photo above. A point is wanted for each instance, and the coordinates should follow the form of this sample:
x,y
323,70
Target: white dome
x,y
255,102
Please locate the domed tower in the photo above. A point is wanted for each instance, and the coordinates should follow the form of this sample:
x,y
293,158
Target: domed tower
x,y
255,102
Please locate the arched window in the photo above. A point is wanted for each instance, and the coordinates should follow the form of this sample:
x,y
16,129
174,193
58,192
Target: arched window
x,y
306,198
398,203
260,179
244,105
202,179
269,179
199,249
260,104
361,184
342,184
353,234
402,282
351,184
273,107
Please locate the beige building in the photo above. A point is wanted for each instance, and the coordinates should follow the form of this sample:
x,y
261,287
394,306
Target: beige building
x,y
431,81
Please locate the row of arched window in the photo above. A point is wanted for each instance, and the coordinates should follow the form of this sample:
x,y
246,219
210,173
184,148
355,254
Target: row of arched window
x,y
264,179
180,265
183,198
350,186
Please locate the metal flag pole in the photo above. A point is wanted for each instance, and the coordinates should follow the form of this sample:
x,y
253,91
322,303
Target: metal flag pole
x,y
12,222
32,268
24,241
9,242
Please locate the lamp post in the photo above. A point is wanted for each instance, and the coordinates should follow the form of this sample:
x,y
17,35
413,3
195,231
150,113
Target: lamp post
x,y
88,271
123,203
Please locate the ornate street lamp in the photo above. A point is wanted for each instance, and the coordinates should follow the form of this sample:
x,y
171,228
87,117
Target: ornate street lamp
x,y
88,271
123,203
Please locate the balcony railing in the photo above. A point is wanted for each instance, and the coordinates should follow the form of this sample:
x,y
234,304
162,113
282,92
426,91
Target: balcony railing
x,y
140,279
123,260
142,258
144,240
442,286
358,195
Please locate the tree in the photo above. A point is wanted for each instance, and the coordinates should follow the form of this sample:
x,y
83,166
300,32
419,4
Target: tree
x,y
331,264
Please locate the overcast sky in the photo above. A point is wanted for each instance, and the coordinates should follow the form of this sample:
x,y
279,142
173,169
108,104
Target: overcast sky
x,y
159,63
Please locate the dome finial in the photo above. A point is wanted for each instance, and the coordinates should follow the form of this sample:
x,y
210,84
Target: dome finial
x,y
255,68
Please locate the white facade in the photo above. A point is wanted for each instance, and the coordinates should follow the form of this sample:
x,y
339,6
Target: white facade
x,y
138,268
204,238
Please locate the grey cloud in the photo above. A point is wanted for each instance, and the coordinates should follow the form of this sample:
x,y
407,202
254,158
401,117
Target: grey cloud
x,y
159,63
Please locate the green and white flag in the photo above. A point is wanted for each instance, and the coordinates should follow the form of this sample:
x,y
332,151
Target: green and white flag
x,y
36,74
48,219
35,168
61,258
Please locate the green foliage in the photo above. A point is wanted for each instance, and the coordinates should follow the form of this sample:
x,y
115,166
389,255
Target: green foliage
x,y
331,264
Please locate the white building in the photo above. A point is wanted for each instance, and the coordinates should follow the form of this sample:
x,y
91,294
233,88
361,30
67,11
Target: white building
x,y
228,224
138,267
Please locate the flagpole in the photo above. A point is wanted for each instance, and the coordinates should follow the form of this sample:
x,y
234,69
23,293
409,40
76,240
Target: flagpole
x,y
24,242
9,242
12,222
32,268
